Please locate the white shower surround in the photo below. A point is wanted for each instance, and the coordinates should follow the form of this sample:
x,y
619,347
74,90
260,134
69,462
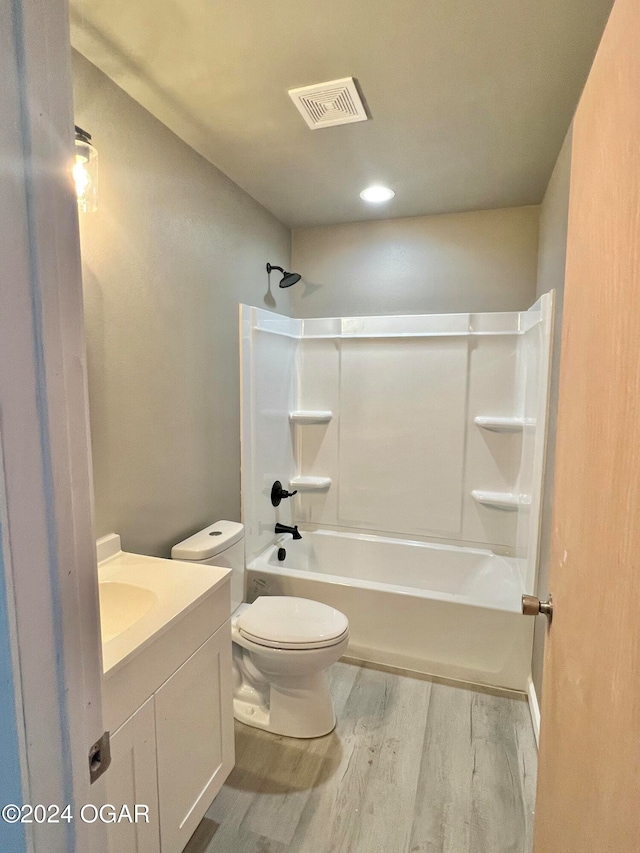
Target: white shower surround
x,y
386,484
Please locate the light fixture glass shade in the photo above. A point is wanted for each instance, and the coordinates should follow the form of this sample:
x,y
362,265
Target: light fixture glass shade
x,y
85,172
377,194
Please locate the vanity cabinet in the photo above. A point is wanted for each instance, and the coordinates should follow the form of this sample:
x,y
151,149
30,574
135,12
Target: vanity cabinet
x,y
174,753
194,736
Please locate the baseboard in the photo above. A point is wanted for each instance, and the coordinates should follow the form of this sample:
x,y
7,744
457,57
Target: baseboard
x,y
505,692
534,709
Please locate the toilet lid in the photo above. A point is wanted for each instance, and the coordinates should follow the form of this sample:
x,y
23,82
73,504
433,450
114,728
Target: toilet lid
x,y
288,622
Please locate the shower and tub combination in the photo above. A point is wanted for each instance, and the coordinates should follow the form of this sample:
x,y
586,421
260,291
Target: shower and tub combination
x,y
415,448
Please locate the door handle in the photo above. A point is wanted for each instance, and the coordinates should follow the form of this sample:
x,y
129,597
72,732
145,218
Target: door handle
x,y
532,606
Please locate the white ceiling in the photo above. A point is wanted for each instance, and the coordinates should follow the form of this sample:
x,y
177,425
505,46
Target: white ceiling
x,y
470,99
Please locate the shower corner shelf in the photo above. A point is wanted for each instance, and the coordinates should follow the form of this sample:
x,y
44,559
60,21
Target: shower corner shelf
x,y
310,484
499,424
501,500
310,416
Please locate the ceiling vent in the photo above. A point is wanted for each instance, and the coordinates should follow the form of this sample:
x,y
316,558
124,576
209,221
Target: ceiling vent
x,y
328,104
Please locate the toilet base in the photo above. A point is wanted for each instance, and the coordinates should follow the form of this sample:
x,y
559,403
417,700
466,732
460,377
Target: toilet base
x,y
299,707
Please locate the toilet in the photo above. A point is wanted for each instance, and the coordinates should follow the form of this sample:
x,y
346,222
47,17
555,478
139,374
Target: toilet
x,y
282,645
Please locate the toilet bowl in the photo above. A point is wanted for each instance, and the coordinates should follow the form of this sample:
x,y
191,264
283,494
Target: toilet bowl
x,y
282,649
282,646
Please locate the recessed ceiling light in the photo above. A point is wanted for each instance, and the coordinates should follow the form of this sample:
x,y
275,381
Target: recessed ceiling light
x,y
377,194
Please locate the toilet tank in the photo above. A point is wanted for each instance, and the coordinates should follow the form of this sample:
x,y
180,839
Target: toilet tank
x,y
220,544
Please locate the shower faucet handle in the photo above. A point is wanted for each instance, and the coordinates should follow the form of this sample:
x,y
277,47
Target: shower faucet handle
x,y
279,494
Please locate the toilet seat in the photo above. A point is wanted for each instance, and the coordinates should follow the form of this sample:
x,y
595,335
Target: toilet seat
x,y
287,622
274,644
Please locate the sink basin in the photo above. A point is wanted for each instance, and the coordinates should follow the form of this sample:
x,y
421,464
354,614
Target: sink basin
x,y
142,598
121,606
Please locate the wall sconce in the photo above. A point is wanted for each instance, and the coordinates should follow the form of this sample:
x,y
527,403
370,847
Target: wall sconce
x,y
85,172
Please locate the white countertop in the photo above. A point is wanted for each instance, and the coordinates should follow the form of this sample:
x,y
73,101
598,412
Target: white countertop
x,y
142,597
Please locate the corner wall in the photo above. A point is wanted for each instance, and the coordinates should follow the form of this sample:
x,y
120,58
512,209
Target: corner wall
x,y
554,214
454,263
172,250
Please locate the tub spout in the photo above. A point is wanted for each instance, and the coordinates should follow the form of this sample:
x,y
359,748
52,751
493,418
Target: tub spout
x,y
282,528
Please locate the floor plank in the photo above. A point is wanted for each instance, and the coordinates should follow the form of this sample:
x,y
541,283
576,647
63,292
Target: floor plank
x,y
389,802
498,815
413,766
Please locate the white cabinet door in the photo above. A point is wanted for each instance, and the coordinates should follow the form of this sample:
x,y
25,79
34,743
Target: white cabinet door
x,y
194,731
131,780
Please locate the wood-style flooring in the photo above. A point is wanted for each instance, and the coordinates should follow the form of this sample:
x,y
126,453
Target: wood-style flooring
x,y
413,766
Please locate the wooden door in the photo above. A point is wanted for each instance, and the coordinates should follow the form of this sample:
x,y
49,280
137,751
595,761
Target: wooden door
x,y
589,780
50,650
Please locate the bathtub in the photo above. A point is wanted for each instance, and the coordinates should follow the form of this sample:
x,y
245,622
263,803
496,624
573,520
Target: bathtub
x,y
443,610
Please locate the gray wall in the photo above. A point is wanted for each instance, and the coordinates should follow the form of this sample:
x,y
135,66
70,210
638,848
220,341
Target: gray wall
x,y
554,214
480,261
173,249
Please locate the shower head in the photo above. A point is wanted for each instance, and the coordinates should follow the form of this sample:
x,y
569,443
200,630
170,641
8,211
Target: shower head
x,y
288,278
